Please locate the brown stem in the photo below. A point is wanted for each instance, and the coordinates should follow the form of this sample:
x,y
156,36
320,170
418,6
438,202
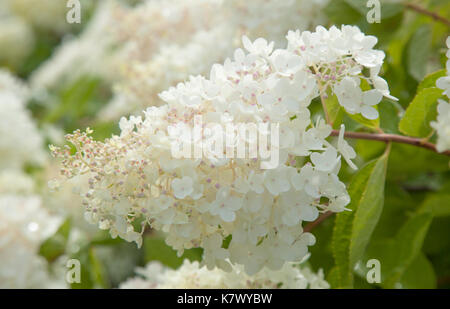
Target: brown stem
x,y
322,217
424,11
384,137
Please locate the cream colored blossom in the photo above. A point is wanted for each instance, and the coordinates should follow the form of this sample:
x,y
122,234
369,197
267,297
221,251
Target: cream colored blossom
x,y
191,275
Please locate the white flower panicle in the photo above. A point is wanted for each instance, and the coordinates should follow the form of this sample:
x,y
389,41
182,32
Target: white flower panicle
x,y
202,202
191,275
442,123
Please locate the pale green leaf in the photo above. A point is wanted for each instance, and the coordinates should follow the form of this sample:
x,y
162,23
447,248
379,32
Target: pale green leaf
x,y
416,121
430,80
353,229
418,51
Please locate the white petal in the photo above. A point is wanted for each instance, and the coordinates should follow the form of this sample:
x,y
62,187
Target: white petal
x,y
369,112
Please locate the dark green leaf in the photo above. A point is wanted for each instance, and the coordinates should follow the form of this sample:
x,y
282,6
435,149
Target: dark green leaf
x,y
416,121
418,51
353,229
55,246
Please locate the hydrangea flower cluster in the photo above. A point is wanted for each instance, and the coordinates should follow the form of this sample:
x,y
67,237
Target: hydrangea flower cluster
x,y
442,123
203,202
191,276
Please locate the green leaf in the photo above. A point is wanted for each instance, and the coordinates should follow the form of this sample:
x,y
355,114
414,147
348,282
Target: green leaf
x,y
416,121
352,230
398,205
419,275
55,246
321,251
369,150
157,250
358,5
435,244
437,204
430,80
389,116
335,112
373,124
86,276
341,12
400,169
333,277
418,51
98,272
387,9
407,246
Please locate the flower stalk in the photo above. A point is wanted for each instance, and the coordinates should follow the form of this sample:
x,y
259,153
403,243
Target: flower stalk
x,y
385,137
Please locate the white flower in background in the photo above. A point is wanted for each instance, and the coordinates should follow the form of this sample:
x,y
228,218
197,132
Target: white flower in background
x,y
48,15
142,81
14,181
271,19
167,41
190,275
10,83
20,140
16,40
144,49
134,178
88,54
442,123
24,224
